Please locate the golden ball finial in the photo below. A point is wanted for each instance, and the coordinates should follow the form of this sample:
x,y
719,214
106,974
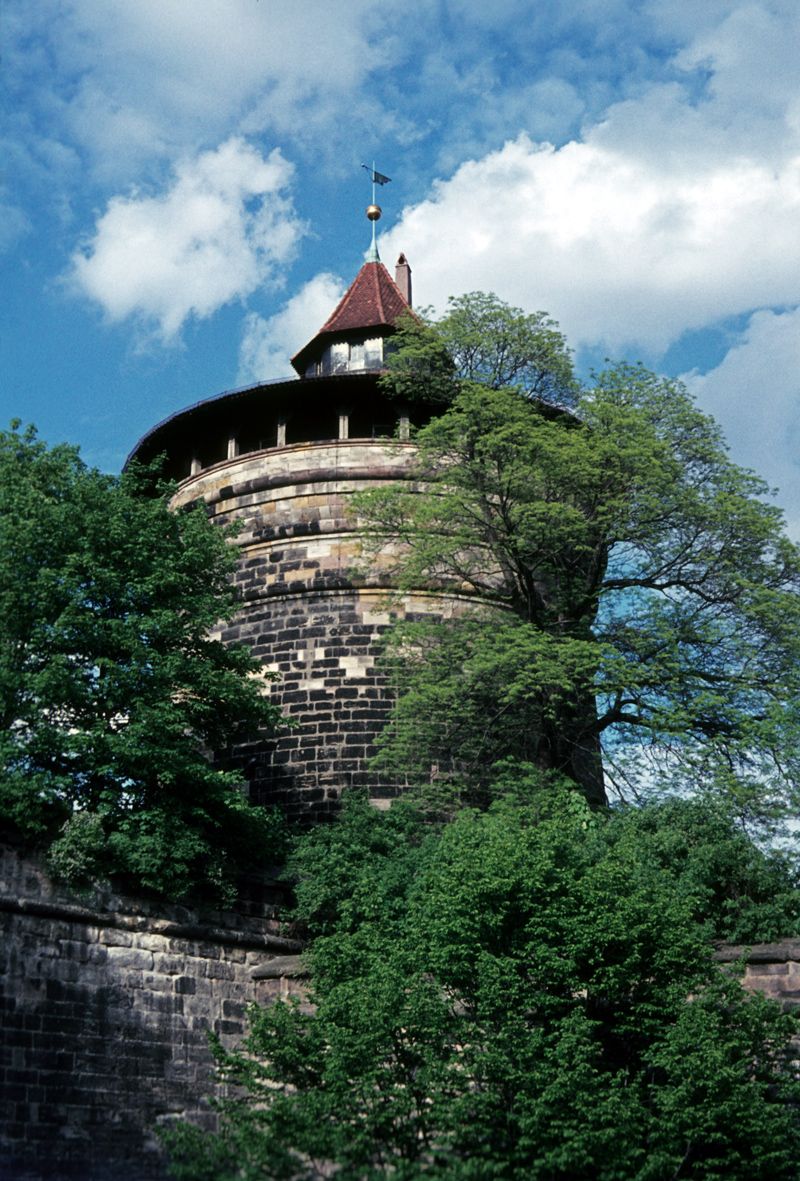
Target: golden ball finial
x,y
373,212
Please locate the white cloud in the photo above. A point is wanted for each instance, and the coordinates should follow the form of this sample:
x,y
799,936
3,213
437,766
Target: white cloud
x,y
222,230
134,82
268,344
679,209
754,53
755,396
620,250
132,85
675,211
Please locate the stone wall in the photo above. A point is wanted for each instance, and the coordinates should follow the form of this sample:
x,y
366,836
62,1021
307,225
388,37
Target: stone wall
x,y
309,614
771,968
106,1002
105,1005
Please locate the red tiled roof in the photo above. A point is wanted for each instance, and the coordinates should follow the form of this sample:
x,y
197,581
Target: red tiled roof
x,y
373,298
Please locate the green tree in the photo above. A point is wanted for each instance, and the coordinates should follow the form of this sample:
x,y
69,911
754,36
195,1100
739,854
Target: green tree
x,y
616,580
479,339
737,890
500,346
113,688
543,1006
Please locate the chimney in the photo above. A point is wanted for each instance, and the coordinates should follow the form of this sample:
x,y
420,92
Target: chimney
x,y
402,277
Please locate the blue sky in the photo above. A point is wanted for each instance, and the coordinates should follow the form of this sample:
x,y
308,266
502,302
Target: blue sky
x,y
183,201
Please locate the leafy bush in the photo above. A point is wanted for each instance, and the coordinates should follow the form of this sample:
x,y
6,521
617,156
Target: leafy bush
x,y
528,993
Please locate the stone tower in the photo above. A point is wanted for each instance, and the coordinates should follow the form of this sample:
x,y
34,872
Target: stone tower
x,y
281,458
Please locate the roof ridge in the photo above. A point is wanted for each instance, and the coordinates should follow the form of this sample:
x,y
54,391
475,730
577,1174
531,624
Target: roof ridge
x,y
378,293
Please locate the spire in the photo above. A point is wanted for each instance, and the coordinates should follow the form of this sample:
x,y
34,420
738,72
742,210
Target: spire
x,y
372,253
374,210
352,338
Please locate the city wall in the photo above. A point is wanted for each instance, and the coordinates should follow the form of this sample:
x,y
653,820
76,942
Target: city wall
x,y
105,1005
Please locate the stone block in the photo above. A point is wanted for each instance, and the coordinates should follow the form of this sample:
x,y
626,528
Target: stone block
x,y
157,982
113,938
55,990
229,1028
147,942
218,971
767,970
74,949
125,956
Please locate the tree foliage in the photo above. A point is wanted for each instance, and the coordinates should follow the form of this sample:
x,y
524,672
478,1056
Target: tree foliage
x,y
113,689
479,339
419,369
616,579
544,1005
370,862
503,347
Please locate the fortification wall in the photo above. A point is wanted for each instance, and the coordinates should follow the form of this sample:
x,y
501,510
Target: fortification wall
x,y
105,1004
771,968
309,614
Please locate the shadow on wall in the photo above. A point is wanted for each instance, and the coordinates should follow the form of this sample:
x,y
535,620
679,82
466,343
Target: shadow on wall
x,y
105,1006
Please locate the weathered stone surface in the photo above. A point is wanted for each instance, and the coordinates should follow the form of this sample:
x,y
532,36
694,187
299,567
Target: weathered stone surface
x,y
96,1051
279,967
786,951
103,1020
310,613
771,968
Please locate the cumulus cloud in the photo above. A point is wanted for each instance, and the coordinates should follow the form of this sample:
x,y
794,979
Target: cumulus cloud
x,y
754,54
222,230
675,211
667,201
621,251
267,344
754,393
131,85
679,209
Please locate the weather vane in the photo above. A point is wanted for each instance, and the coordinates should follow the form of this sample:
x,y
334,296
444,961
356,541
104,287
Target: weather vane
x,y
374,210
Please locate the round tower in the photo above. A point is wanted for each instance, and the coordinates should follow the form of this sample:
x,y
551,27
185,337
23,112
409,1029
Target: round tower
x,y
282,458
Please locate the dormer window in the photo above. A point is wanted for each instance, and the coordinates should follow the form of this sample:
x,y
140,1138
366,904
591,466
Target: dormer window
x,y
340,357
373,353
348,357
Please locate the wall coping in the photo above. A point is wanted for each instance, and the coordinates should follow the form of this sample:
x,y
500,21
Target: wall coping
x,y
148,925
784,952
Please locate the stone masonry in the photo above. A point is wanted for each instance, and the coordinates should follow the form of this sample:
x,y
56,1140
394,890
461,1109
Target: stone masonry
x,y
104,1006
310,613
281,459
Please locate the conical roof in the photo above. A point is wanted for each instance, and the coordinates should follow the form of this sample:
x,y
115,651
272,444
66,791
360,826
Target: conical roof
x,y
373,300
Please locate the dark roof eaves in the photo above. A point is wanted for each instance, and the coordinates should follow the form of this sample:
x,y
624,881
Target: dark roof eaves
x,y
239,391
